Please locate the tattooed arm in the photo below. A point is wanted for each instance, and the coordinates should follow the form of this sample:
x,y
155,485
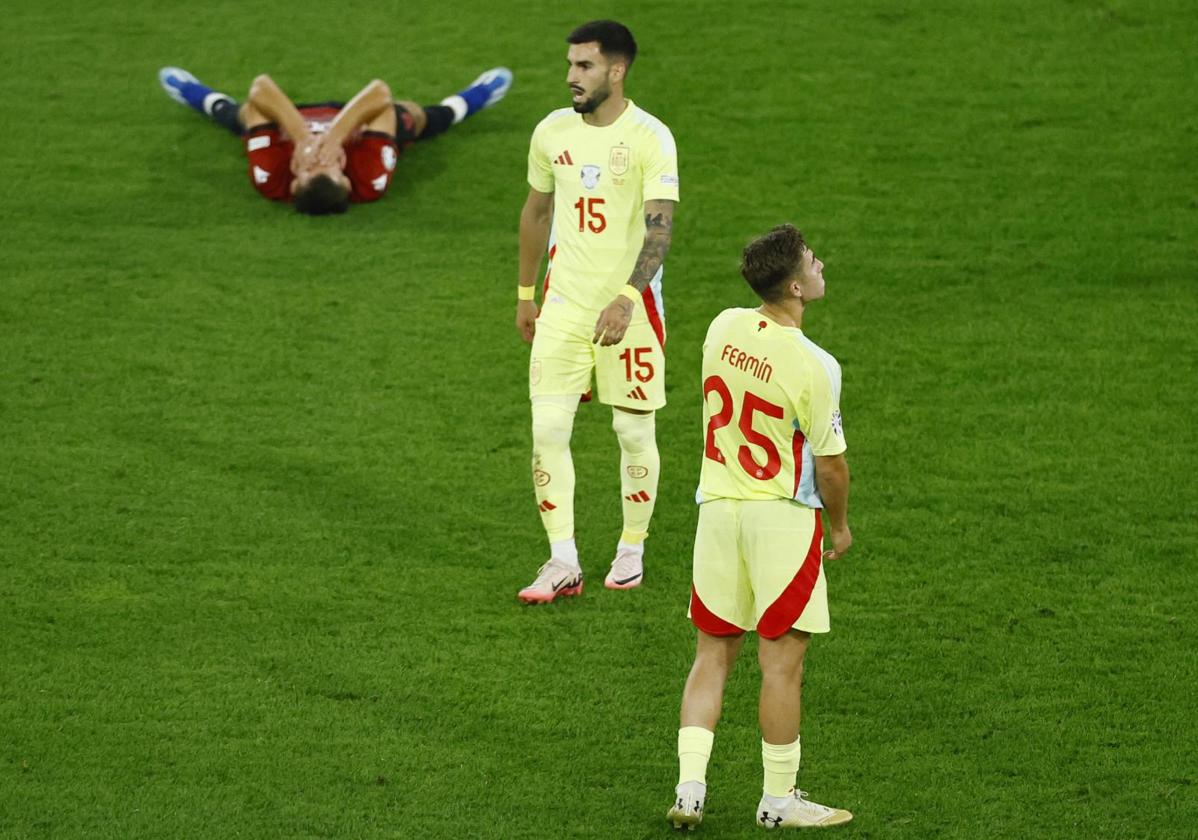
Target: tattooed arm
x,y
659,226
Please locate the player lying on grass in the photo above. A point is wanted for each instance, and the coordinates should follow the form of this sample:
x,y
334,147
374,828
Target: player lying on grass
x,y
324,156
773,461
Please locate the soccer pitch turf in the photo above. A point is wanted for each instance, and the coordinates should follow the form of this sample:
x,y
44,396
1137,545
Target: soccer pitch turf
x,y
264,491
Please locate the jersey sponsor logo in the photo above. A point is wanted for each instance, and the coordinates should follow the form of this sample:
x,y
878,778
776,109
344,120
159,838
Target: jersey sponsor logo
x,y
590,176
261,176
379,183
670,180
637,393
837,423
256,143
389,157
564,159
617,161
637,471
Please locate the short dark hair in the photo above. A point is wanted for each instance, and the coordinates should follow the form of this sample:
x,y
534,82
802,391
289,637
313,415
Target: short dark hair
x,y
770,260
614,39
321,195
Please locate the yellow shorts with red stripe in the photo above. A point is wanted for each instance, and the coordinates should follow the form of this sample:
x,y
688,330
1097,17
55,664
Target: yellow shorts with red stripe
x,y
758,565
631,374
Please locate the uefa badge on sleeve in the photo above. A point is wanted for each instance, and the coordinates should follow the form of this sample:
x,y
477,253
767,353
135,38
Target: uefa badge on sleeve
x,y
836,423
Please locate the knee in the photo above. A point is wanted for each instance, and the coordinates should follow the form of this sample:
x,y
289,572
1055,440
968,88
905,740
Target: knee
x,y
783,658
551,427
714,664
636,432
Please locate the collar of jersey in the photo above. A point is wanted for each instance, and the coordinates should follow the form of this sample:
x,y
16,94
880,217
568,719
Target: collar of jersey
x,y
627,110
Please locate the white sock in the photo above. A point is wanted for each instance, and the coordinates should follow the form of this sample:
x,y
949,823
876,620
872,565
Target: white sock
x,y
211,99
636,548
458,105
565,551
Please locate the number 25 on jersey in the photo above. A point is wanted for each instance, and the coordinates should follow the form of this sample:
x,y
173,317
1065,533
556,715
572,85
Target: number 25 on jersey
x,y
752,405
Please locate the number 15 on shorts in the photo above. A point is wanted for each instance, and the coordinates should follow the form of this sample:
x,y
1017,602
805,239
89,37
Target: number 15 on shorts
x,y
637,364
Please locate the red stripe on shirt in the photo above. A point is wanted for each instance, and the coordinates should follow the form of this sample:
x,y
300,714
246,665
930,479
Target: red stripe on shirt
x,y
655,319
796,451
548,271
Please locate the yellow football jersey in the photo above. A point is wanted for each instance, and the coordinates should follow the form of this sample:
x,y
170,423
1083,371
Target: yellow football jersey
x,y
600,178
771,404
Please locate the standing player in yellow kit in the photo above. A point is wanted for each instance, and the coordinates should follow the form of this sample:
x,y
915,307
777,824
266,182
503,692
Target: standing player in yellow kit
x,y
604,181
773,460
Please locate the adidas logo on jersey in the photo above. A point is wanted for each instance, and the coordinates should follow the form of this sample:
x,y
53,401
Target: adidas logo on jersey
x,y
547,506
564,159
638,497
637,393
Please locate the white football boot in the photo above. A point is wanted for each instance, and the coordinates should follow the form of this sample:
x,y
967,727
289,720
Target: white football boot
x,y
687,810
553,579
628,569
799,813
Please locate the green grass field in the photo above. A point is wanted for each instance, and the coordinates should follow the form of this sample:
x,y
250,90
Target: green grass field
x,y
264,492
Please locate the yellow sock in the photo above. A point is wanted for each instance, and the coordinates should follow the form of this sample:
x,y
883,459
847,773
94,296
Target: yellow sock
x,y
552,466
694,749
640,466
781,763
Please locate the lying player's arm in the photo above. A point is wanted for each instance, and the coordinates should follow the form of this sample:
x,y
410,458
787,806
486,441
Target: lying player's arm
x,y
372,107
268,103
535,220
832,478
659,228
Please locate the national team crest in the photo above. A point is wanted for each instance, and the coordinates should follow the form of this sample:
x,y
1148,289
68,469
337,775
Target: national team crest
x,y
617,161
590,176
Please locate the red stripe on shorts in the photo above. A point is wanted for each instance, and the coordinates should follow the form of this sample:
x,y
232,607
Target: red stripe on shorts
x,y
784,612
709,622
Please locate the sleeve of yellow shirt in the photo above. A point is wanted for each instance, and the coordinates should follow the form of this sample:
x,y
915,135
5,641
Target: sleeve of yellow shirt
x,y
660,172
540,170
824,431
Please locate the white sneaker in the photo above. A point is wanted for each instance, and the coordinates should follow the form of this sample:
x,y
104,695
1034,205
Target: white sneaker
x,y
553,579
627,570
687,810
799,813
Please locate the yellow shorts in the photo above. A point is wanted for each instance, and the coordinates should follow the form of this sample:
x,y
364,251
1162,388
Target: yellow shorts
x,y
758,566
631,374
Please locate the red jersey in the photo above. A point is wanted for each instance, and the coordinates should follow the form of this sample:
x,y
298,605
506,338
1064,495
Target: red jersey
x,y
370,157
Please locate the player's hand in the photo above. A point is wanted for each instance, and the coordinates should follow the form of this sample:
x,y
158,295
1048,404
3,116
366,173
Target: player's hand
x,y
841,539
613,322
526,318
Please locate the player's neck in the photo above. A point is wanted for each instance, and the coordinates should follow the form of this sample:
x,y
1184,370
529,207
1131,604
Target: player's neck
x,y
607,113
786,314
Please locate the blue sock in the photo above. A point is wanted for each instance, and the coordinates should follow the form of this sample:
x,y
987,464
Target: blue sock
x,y
195,93
475,97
